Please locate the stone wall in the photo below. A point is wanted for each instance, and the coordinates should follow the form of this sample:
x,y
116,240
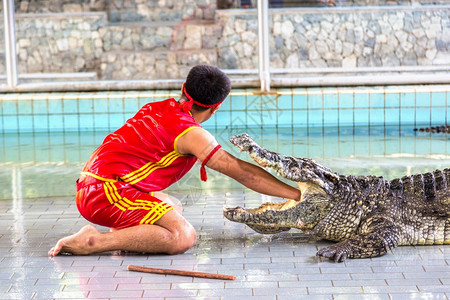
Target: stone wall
x,y
349,38
299,38
50,44
88,42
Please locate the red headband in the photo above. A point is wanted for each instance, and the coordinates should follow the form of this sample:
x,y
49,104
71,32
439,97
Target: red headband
x,y
187,105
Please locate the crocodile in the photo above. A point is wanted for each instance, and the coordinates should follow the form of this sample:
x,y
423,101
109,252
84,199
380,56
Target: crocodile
x,y
434,129
366,216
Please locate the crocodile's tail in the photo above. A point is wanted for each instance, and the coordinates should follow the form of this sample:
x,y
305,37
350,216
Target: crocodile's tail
x,y
435,129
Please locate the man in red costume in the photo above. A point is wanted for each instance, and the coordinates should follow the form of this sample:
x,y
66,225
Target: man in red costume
x,y
120,184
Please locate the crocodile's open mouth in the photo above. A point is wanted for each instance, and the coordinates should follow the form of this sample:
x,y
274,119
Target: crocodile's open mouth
x,y
269,218
276,217
273,207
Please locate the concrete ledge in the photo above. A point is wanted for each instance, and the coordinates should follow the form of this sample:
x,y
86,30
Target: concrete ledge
x,y
61,15
361,80
56,76
300,71
346,9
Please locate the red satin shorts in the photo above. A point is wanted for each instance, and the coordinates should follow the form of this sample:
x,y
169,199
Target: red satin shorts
x,y
117,204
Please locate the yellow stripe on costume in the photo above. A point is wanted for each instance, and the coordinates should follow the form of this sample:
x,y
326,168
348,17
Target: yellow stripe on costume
x,y
166,163
107,194
147,172
180,135
156,213
136,173
142,204
124,203
120,201
144,171
159,212
148,168
98,177
112,196
156,210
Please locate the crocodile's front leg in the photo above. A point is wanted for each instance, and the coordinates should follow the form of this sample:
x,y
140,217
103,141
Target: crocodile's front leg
x,y
376,240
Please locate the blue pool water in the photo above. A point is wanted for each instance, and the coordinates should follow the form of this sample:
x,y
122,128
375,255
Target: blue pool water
x,y
48,165
46,138
301,107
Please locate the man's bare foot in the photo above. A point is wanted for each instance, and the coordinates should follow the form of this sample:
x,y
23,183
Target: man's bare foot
x,y
79,243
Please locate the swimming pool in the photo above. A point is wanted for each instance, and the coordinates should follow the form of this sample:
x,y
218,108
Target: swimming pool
x,y
46,138
45,143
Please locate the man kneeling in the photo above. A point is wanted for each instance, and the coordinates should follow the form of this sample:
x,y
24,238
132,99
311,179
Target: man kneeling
x,y
120,183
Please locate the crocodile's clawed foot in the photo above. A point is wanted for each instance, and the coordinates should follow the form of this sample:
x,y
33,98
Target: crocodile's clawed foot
x,y
337,252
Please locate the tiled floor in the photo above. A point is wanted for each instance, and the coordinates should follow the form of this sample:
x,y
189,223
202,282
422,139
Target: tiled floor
x,y
281,266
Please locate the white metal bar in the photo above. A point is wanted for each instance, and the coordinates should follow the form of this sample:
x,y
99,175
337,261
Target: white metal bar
x,y
10,43
296,71
249,81
263,45
18,236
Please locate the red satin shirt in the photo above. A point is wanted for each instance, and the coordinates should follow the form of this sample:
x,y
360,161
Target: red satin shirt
x,y
143,152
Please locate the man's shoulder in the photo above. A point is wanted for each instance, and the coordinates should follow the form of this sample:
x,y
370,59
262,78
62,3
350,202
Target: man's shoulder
x,y
194,139
199,131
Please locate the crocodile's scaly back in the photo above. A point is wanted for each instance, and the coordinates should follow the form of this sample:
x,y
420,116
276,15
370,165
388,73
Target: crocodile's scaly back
x,y
366,215
428,192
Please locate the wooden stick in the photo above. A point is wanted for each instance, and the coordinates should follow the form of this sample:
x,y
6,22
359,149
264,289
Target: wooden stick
x,y
180,272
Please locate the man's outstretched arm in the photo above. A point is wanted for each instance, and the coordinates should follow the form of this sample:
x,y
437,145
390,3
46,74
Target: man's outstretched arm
x,y
200,143
252,176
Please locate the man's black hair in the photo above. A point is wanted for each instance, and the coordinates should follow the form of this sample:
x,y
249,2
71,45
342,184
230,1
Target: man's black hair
x,y
207,85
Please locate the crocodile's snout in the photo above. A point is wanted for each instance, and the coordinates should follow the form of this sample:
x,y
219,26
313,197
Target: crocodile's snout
x,y
265,219
243,141
236,214
268,214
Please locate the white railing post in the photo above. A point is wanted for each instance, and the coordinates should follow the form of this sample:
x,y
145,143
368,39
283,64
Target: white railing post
x,y
10,43
263,45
